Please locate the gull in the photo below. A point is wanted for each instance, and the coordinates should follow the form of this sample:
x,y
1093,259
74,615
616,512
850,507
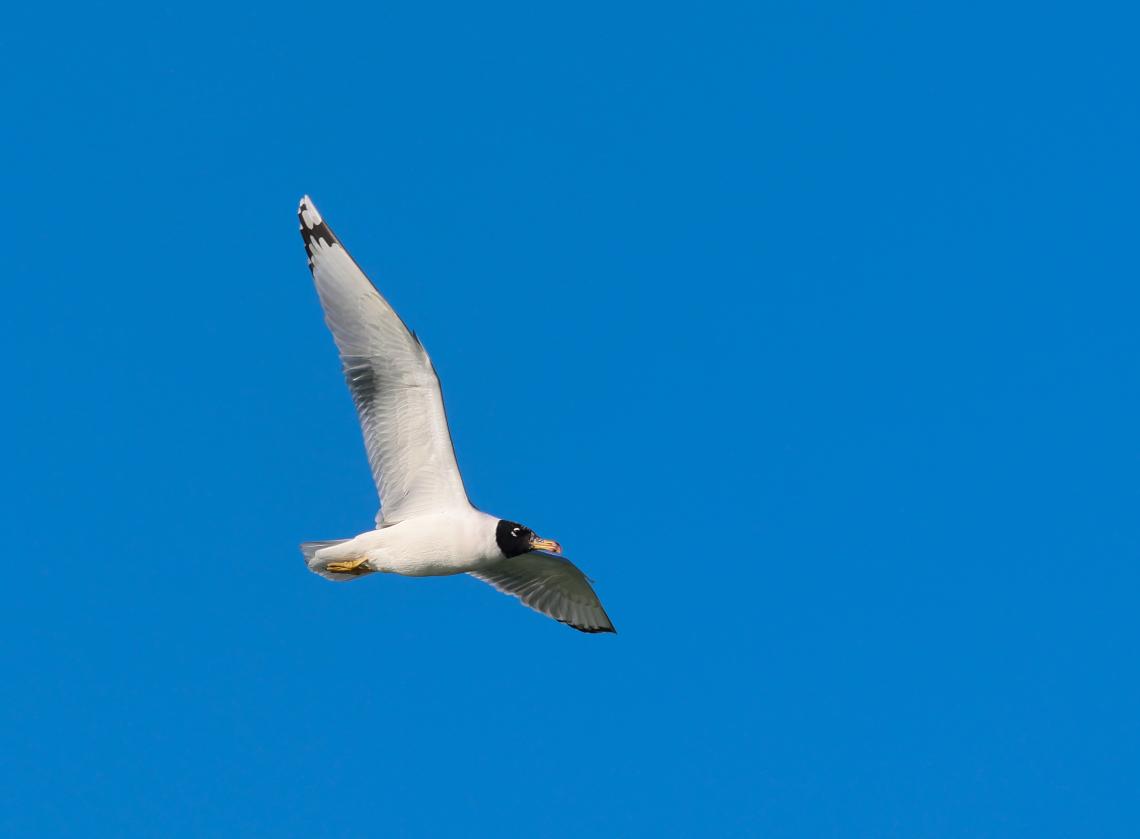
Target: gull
x,y
426,526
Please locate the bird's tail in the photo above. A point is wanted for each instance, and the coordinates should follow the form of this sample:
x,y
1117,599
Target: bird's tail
x,y
319,565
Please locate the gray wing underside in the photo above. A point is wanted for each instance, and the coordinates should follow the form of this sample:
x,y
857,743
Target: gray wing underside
x,y
551,585
393,383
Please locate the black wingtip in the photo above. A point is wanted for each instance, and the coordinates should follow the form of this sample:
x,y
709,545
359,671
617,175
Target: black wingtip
x,y
313,227
591,630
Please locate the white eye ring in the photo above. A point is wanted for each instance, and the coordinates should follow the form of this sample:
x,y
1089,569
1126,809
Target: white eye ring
x,y
514,531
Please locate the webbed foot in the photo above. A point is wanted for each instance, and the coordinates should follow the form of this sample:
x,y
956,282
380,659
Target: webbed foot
x,y
352,566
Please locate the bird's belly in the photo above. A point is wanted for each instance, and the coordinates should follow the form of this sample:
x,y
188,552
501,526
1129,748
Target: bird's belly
x,y
417,565
422,558
431,546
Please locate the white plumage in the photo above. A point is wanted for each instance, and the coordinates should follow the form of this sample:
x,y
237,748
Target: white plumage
x,y
426,526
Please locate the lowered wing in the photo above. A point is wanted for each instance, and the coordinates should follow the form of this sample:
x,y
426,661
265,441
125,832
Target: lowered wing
x,y
551,585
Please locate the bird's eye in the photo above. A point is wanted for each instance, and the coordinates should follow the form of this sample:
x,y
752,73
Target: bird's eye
x,y
514,531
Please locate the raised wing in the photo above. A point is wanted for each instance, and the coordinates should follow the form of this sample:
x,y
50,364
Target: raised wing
x,y
551,585
393,383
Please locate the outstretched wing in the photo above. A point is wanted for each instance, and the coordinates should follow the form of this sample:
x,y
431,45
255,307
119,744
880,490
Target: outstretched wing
x,y
393,383
551,585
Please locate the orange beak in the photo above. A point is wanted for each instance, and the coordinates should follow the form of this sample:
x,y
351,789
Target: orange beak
x,y
550,545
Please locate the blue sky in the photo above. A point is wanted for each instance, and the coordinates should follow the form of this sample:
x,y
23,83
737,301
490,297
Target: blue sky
x,y
808,329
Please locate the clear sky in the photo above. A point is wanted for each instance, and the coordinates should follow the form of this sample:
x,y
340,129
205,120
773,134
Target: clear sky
x,y
809,330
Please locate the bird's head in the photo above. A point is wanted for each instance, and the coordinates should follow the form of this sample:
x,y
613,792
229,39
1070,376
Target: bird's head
x,y
514,539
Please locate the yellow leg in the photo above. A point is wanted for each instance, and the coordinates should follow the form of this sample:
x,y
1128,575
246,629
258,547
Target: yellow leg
x,y
352,566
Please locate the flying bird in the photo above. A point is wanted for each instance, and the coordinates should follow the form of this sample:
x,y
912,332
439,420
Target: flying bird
x,y
426,526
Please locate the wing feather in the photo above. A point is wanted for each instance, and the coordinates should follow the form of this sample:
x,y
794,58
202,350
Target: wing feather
x,y
393,383
551,585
